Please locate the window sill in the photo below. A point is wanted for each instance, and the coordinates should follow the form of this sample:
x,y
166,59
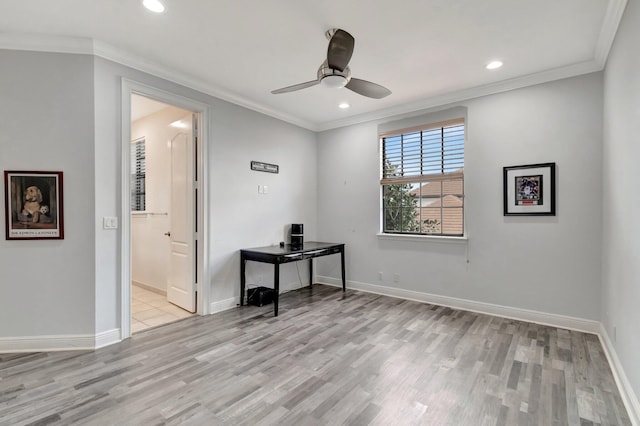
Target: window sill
x,y
424,238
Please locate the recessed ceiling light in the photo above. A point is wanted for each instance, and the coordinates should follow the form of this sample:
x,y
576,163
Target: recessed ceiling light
x,y
494,65
344,105
153,5
179,124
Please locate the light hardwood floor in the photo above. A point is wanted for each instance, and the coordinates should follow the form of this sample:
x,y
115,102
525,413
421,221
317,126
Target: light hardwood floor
x,y
327,359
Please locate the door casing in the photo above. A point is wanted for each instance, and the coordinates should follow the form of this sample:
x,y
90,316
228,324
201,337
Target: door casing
x,y
203,112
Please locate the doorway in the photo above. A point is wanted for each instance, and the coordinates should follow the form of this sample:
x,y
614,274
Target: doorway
x,y
163,208
162,213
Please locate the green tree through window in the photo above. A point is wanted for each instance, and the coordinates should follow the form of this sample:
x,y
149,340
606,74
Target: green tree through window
x,y
399,206
423,180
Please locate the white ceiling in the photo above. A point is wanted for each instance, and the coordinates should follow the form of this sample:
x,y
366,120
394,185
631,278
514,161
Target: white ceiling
x,y
427,52
142,106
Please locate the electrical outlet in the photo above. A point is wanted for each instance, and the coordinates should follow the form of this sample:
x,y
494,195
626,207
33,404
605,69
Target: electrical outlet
x,y
396,278
380,276
259,279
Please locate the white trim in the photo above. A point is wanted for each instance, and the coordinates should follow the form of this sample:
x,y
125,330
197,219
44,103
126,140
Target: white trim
x,y
224,305
423,238
87,46
78,342
61,44
234,302
46,43
125,214
399,111
107,338
148,287
130,87
47,343
629,397
111,53
610,24
544,318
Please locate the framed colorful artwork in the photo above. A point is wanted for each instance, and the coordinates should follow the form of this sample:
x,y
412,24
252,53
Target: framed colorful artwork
x,y
530,190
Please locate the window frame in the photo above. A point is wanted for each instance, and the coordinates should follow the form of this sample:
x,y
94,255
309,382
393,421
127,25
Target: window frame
x,y
420,179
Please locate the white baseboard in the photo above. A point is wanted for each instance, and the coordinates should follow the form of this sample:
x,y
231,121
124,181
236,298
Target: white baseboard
x,y
629,397
223,305
107,338
150,288
554,320
47,343
82,342
627,393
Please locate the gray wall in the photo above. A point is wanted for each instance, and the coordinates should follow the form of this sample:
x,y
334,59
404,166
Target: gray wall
x,y
46,117
545,264
63,112
239,216
621,230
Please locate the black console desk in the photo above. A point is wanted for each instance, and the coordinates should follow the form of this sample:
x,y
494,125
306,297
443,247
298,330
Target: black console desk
x,y
277,255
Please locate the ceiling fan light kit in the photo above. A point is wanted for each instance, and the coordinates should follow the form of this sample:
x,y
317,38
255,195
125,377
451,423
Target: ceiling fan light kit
x,y
153,5
334,81
334,71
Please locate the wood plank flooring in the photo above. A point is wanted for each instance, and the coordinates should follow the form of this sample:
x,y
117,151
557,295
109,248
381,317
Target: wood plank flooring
x,y
327,359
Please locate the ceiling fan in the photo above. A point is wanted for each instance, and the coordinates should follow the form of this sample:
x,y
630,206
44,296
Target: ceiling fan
x,y
334,71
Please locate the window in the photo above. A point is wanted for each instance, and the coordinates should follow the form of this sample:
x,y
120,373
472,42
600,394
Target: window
x,y
138,172
423,180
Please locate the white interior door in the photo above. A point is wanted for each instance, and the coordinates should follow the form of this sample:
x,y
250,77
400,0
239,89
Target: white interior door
x,y
181,286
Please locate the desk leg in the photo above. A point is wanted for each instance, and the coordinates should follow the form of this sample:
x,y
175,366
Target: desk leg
x,y
276,285
310,272
243,263
344,278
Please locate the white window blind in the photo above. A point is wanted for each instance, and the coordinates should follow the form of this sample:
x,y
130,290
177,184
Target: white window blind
x,y
423,179
138,174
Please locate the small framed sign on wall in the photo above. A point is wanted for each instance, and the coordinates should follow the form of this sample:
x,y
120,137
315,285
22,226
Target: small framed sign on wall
x,y
259,166
33,205
530,190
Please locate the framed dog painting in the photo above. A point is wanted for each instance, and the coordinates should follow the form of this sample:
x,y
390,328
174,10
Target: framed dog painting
x,y
33,205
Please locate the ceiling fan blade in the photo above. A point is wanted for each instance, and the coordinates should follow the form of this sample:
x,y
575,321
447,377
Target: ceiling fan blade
x,y
296,87
367,88
340,50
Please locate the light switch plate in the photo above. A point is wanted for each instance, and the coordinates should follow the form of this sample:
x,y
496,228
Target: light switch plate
x,y
110,222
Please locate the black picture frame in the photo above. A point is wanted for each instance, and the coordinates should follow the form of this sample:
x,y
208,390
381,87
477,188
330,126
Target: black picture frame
x,y
33,205
530,190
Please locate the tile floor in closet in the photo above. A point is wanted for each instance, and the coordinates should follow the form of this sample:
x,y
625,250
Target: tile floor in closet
x,y
149,309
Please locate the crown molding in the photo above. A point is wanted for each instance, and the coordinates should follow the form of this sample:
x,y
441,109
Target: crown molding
x,y
470,93
87,46
610,24
122,57
51,44
60,44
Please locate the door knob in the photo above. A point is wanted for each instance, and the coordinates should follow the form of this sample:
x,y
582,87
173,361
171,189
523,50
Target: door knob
x,y
168,233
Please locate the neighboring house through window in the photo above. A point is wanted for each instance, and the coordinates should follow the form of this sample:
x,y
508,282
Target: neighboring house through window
x,y
423,179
